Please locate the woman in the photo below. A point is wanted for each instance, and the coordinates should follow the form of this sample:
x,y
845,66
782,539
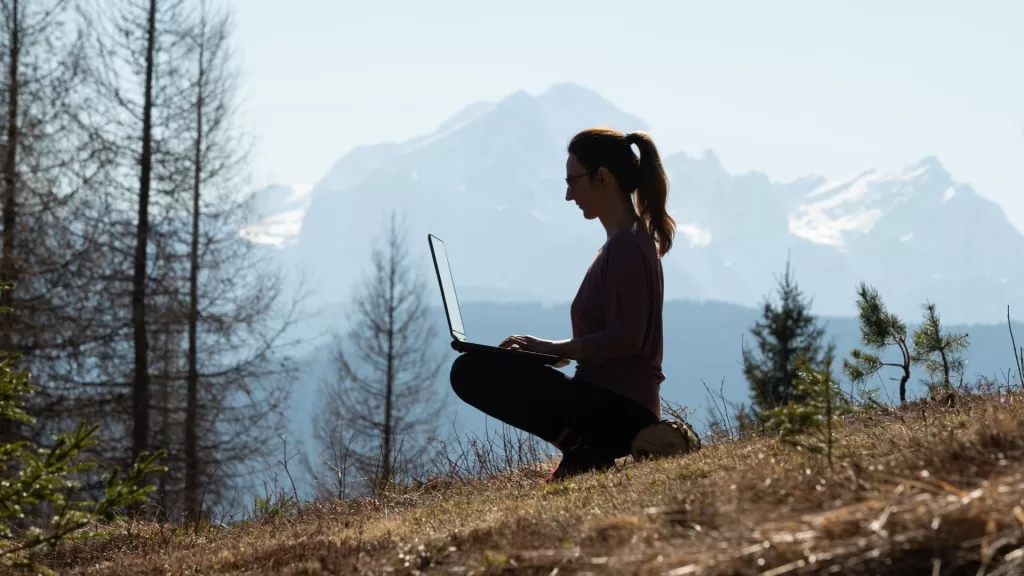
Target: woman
x,y
598,414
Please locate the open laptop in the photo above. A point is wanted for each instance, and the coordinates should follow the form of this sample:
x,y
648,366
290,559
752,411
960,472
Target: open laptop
x,y
451,310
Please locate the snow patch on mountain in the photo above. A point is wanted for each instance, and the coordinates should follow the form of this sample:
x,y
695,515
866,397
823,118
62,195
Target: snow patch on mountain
x,y
837,210
282,217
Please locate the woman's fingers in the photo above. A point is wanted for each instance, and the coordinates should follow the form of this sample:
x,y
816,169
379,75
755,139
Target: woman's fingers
x,y
510,341
519,342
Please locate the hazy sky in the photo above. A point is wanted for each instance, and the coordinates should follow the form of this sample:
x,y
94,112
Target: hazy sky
x,y
784,87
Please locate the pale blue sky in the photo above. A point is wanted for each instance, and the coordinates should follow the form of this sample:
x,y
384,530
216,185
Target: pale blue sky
x,y
784,87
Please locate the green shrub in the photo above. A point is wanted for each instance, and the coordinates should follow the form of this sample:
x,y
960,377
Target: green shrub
x,y
809,424
34,479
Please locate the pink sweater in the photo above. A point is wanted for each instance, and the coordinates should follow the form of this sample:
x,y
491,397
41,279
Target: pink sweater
x,y
616,316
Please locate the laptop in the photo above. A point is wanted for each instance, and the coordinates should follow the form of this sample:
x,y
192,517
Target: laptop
x,y
455,326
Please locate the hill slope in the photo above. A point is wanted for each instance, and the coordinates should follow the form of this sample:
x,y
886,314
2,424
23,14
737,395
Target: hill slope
x,y
931,489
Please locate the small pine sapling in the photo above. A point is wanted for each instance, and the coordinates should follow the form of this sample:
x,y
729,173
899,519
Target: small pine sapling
x,y
810,424
939,353
879,329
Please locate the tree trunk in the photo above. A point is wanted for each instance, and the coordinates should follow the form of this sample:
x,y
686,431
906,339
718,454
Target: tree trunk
x,y
903,385
8,265
140,383
192,511
945,363
390,376
906,372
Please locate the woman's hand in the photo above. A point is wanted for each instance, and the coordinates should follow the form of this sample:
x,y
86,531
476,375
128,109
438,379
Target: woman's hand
x,y
530,344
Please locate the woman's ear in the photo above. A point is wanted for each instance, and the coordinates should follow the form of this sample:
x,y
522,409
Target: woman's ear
x,y
602,176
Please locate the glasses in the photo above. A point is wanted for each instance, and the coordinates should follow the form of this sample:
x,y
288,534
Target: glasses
x,y
571,179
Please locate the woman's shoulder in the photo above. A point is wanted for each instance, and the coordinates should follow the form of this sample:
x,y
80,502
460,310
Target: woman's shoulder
x,y
636,240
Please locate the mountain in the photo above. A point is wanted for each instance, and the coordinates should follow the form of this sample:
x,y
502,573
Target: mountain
x,y
483,182
916,234
489,181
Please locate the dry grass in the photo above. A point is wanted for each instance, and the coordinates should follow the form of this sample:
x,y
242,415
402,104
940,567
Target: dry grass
x,y
930,489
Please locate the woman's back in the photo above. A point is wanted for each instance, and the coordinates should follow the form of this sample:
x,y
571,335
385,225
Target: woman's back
x,y
617,316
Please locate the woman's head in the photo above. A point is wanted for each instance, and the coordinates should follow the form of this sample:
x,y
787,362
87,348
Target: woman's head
x,y
603,173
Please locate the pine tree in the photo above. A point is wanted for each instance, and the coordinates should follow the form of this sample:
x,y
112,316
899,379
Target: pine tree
x,y
939,353
879,329
786,334
45,504
810,425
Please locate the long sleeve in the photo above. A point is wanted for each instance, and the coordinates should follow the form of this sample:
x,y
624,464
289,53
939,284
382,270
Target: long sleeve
x,y
626,301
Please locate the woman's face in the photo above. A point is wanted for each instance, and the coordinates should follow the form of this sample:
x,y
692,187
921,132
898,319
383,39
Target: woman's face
x,y
588,195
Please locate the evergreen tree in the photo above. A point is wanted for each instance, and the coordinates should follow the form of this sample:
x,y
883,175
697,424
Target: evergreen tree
x,y
879,329
786,334
939,353
44,504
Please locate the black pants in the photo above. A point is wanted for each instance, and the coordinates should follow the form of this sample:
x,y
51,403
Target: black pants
x,y
549,404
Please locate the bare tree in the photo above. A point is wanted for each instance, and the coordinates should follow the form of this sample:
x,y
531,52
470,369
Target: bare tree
x,y
192,402
384,396
40,60
238,370
124,289
220,320
335,443
138,111
128,187
140,378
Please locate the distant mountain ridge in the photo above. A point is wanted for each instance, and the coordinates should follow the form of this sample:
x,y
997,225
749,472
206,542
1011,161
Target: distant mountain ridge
x,y
489,181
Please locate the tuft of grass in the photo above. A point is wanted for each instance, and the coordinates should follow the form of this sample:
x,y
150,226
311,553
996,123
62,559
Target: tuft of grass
x,y
930,487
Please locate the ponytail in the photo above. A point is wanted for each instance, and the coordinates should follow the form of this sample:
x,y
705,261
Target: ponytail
x,y
652,192
603,146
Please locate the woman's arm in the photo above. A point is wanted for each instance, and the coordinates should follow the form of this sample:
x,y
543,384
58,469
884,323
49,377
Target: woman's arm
x,y
627,305
570,349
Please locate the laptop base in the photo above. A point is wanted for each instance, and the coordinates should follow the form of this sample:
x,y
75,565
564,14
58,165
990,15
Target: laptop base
x,y
520,355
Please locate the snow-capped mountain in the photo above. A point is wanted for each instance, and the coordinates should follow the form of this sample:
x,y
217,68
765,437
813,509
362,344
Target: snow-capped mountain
x,y
914,233
489,182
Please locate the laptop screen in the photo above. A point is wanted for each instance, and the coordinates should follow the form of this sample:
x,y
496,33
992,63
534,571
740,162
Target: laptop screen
x,y
444,279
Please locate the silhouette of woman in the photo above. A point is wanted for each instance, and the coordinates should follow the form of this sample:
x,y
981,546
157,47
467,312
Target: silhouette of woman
x,y
611,406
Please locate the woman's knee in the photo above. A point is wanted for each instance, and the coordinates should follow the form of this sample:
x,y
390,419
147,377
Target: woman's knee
x,y
465,374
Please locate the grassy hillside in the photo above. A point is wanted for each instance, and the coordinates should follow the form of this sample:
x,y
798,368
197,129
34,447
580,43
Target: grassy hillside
x,y
932,488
